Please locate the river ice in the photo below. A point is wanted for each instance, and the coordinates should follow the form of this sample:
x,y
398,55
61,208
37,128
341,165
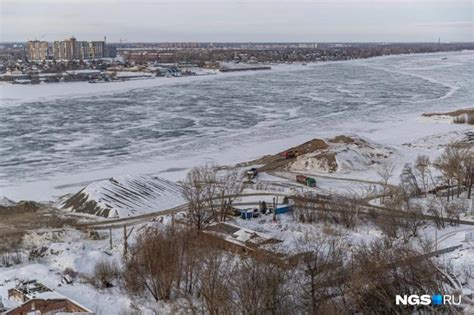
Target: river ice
x,y
56,137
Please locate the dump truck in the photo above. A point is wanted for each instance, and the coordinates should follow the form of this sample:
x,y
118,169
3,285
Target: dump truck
x,y
306,180
252,173
290,154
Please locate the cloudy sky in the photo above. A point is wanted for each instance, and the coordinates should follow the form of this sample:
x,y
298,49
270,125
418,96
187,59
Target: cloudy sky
x,y
238,21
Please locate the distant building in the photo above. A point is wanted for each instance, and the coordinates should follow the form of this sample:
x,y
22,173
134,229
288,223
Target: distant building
x,y
82,50
37,50
111,51
308,45
58,50
66,49
97,49
71,49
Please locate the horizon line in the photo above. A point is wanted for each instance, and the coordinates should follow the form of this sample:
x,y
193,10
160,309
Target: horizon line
x,y
261,42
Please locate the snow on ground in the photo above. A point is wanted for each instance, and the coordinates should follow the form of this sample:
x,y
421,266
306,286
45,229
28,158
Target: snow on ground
x,y
125,196
5,202
65,249
436,142
437,119
289,231
364,165
345,154
70,248
407,135
460,262
53,90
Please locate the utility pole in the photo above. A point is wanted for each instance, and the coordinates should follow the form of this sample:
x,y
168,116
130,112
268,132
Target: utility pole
x,y
356,218
125,240
172,222
125,243
110,237
274,209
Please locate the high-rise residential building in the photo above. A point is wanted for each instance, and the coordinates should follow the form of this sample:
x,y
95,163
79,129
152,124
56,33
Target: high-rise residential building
x,y
59,50
71,49
110,51
82,50
66,49
37,50
97,49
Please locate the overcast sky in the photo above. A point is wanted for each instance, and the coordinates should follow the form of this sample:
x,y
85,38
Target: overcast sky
x,y
238,21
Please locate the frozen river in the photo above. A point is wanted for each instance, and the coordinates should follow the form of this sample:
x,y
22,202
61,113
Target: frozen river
x,y
51,142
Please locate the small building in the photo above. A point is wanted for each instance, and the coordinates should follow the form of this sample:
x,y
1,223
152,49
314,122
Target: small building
x,y
38,299
49,306
26,290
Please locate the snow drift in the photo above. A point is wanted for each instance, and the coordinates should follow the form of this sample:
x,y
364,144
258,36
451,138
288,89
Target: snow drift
x,y
125,196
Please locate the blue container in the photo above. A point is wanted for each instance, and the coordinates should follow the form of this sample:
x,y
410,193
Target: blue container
x,y
284,209
246,214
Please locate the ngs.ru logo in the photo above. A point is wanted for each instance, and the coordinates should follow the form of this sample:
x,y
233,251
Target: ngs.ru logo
x,y
436,299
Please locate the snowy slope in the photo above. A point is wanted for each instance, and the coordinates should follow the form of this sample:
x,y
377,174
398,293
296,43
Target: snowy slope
x,y
345,154
125,196
5,202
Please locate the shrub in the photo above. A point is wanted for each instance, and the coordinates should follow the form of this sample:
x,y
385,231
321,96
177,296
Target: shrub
x,y
105,271
70,272
8,259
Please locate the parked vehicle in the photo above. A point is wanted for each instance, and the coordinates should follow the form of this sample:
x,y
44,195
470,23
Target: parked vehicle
x,y
252,173
306,180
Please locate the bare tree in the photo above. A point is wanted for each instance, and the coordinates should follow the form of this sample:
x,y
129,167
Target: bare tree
x,y
436,208
422,165
453,211
155,263
260,288
407,219
468,170
385,172
389,226
304,209
349,210
213,273
381,271
229,188
412,222
320,260
455,164
408,181
210,194
199,190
